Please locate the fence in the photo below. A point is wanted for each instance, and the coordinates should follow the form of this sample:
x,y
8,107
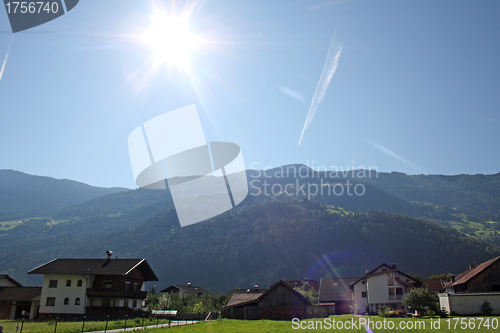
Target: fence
x,y
87,323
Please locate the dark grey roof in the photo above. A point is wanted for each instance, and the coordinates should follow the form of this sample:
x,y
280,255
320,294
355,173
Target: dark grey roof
x,y
336,289
188,289
20,294
96,267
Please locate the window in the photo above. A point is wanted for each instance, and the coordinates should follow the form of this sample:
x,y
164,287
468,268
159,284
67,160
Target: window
x,y
51,301
77,301
136,286
363,294
106,302
79,283
125,303
390,279
68,283
53,284
134,303
108,284
66,301
127,285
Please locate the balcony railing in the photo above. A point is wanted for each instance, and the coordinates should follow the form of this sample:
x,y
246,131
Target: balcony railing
x,y
395,297
122,293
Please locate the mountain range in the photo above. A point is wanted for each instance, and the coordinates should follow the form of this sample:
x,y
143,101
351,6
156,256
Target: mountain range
x,y
294,223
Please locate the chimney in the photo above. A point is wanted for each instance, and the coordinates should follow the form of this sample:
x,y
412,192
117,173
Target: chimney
x,y
256,287
109,254
366,271
189,284
393,265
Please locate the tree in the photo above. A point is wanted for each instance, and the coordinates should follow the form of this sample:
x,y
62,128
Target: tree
x,y
486,308
308,292
422,300
416,277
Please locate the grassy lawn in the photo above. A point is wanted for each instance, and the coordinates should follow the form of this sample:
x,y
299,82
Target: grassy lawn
x,y
230,325
72,327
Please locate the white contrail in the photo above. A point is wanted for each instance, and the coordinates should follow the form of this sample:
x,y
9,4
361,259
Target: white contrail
x,y
6,57
396,156
331,64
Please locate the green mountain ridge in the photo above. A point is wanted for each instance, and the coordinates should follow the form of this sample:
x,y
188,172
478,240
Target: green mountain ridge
x,y
268,237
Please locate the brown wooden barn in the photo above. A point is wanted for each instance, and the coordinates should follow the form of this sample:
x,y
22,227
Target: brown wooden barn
x,y
279,302
480,278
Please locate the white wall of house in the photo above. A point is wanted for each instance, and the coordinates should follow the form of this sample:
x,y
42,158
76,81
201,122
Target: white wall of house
x,y
62,291
469,303
4,282
361,302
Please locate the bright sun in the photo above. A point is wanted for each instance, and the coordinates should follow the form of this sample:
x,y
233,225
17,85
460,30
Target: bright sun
x,y
171,39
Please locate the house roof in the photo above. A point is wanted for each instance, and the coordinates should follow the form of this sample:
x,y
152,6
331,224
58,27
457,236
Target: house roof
x,y
250,299
96,267
187,289
11,280
436,285
391,269
20,294
472,272
239,298
297,283
336,289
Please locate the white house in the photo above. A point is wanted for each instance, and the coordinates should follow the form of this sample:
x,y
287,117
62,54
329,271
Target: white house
x,y
385,285
102,286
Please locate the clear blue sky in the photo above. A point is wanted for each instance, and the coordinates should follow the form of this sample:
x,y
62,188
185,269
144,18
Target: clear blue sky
x,y
416,89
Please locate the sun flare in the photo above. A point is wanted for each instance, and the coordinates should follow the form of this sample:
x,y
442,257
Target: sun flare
x,y
171,40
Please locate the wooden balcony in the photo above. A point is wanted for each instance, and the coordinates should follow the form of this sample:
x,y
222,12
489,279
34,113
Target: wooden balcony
x,y
122,293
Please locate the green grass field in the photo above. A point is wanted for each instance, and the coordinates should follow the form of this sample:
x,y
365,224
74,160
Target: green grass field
x,y
331,324
310,325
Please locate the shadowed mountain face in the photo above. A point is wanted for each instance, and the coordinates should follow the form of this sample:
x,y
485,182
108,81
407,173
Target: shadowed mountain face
x,y
273,234
23,195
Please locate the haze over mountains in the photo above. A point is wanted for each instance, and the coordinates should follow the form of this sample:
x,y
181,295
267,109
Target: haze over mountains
x,y
427,224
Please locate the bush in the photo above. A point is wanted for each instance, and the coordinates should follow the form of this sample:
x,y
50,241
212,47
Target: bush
x,y
486,309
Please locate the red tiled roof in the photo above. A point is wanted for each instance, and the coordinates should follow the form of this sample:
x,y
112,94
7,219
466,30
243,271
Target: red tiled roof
x,y
436,285
472,272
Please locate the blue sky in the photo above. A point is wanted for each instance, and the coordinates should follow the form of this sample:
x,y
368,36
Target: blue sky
x,y
416,88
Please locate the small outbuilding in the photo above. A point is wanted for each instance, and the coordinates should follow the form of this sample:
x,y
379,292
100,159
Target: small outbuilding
x,y
279,302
